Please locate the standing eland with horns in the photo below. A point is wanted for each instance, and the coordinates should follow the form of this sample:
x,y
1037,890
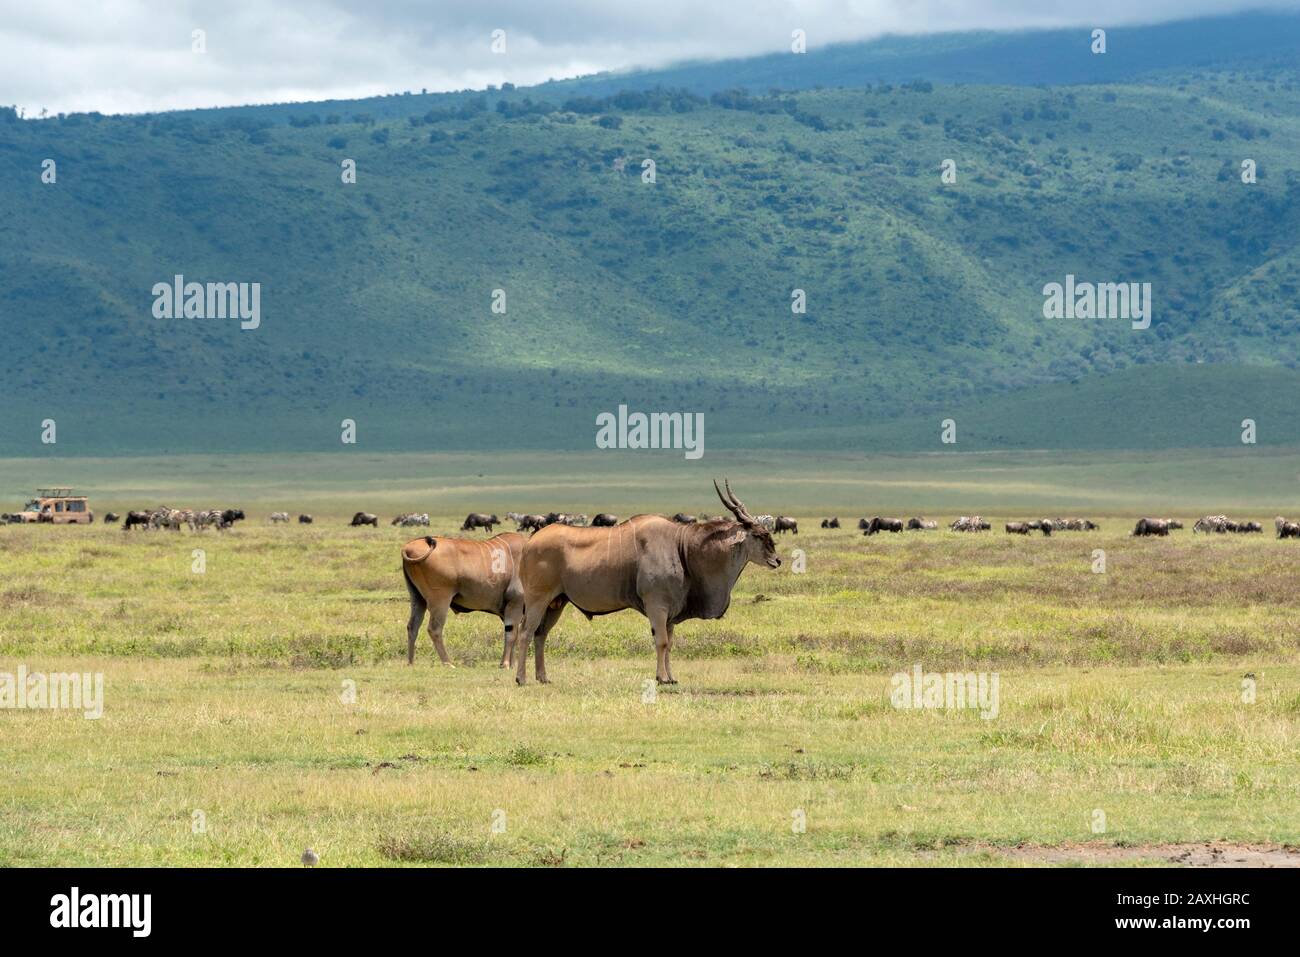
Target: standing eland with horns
x,y
667,571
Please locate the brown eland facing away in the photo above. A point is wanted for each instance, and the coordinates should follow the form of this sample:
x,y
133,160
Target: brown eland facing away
x,y
667,571
460,575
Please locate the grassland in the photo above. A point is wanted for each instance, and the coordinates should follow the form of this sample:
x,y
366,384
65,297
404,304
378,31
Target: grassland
x,y
1120,691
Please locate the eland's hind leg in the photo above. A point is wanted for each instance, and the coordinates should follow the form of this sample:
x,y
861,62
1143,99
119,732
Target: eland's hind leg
x,y
418,607
438,618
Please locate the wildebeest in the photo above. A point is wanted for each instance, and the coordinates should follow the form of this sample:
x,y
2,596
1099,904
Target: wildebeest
x,y
604,520
830,522
479,520
1248,527
784,523
134,519
110,517
878,524
533,522
363,518
411,518
1151,526
462,575
921,524
667,571
1073,525
1285,528
681,518
1024,528
230,516
277,517
304,519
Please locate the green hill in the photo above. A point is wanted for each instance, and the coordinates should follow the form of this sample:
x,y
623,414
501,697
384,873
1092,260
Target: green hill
x,y
924,299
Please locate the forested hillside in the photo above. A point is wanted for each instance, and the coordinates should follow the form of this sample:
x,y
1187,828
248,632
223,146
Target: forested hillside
x,y
924,298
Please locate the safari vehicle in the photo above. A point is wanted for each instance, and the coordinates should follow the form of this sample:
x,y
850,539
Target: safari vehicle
x,y
59,506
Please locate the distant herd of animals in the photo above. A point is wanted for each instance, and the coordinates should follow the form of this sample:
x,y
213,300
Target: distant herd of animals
x,y
222,519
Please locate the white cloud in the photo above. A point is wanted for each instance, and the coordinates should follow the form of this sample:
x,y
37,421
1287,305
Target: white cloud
x,y
134,55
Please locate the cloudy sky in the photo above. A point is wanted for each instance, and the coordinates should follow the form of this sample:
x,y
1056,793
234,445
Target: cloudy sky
x,y
135,55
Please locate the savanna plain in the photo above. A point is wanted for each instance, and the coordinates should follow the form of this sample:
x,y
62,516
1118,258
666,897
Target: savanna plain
x,y
257,700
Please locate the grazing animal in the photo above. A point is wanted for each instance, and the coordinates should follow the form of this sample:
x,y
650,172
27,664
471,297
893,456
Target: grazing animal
x,y
830,523
1073,525
532,522
479,520
278,517
363,518
304,519
109,517
137,519
970,523
230,516
766,521
784,523
1286,529
1214,523
173,518
563,518
1248,527
411,518
462,575
667,571
1018,528
921,524
205,517
681,518
604,520
1151,526
879,524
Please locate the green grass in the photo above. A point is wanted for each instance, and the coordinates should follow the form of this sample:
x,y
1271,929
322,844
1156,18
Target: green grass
x,y
224,690
710,773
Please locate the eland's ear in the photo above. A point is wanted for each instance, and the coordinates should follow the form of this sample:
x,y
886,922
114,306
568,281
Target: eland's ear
x,y
735,538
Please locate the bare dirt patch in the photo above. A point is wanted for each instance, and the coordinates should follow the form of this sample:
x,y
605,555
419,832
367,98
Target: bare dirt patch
x,y
1213,854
